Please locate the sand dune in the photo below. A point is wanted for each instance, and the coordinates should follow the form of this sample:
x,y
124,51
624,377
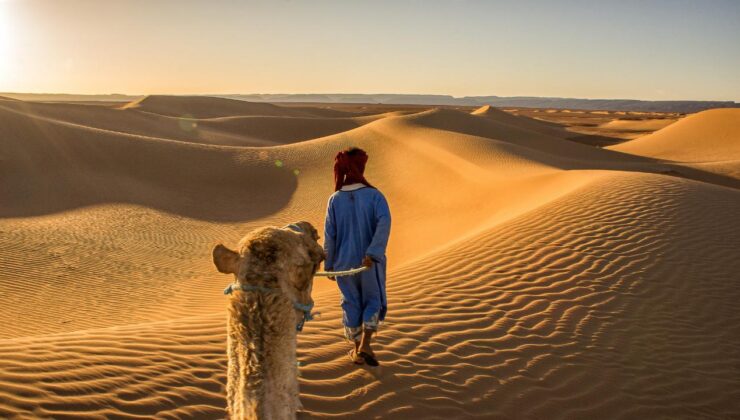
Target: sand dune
x,y
243,130
530,276
59,166
209,107
532,124
636,126
602,128
279,130
708,141
712,135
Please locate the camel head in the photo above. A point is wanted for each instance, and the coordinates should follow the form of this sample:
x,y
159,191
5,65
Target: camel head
x,y
276,258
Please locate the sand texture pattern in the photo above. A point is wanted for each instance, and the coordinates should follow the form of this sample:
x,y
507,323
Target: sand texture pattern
x,y
530,276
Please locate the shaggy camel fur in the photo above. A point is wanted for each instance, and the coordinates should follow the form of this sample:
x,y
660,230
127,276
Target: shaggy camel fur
x,y
276,266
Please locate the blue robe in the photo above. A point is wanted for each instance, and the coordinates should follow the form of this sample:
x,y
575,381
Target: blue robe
x,y
358,223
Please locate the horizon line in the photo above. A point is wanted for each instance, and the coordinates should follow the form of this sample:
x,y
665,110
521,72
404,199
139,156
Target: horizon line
x,y
370,94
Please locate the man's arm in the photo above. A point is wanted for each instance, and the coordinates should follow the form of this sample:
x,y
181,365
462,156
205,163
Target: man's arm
x,y
376,250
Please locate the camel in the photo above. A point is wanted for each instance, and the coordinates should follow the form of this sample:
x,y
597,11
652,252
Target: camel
x,y
273,270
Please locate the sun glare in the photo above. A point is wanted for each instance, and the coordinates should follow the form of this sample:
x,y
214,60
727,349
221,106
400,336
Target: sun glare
x,y
5,42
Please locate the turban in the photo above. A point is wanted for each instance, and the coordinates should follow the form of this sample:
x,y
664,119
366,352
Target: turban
x,y
349,166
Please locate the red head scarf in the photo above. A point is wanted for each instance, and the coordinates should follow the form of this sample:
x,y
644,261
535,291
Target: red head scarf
x,y
349,168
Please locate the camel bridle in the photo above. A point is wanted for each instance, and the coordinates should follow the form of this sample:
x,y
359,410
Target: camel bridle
x,y
306,308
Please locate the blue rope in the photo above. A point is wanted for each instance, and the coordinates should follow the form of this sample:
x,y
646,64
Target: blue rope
x,y
249,288
305,308
307,315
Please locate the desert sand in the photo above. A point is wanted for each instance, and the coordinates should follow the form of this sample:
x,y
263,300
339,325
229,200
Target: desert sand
x,y
603,128
707,140
530,276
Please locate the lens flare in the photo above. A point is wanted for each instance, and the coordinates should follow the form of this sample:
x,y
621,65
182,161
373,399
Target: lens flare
x,y
187,123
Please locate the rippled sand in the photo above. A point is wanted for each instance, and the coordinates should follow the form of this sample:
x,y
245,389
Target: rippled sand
x,y
530,276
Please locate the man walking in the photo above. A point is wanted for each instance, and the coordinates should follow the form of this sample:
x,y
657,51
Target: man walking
x,y
356,232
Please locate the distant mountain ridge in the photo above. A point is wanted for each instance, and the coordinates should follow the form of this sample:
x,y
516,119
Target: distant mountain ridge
x,y
497,101
685,107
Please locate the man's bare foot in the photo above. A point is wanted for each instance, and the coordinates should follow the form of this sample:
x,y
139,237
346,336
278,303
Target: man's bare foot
x,y
355,357
364,350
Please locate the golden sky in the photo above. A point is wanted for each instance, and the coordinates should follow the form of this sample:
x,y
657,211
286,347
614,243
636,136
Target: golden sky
x,y
652,49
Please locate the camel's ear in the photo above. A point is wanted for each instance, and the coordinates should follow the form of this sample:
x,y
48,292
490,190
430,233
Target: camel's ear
x,y
309,230
225,259
316,253
310,238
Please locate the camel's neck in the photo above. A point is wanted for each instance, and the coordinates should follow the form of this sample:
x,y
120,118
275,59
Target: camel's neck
x,y
262,342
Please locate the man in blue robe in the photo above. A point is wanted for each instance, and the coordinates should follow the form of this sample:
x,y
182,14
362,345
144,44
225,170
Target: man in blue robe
x,y
358,224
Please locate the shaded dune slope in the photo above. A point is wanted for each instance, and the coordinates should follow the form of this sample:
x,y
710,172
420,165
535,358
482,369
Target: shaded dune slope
x,y
210,107
242,130
271,131
532,124
58,166
571,283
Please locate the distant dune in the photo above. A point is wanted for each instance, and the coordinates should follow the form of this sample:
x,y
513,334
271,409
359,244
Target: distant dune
x,y
601,104
530,276
208,107
637,126
709,141
251,128
601,128
67,97
712,135
500,101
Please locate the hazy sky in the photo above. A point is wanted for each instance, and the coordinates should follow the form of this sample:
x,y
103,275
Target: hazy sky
x,y
647,49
